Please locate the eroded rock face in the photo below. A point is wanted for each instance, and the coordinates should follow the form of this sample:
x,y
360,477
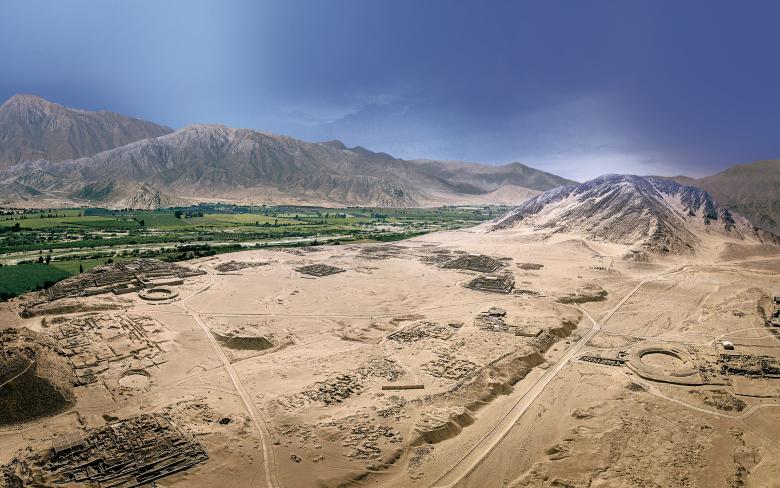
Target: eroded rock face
x,y
36,378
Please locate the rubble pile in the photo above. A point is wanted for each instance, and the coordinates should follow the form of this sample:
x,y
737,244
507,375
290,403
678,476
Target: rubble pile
x,y
366,440
749,365
525,292
384,368
720,399
601,360
449,367
379,253
437,257
337,389
492,320
334,390
422,330
364,436
588,293
238,265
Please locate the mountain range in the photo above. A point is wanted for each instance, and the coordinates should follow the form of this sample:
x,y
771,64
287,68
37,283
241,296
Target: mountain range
x,y
53,156
656,215
149,166
752,189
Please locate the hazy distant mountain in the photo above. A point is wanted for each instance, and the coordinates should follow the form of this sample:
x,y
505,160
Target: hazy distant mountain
x,y
655,214
32,128
217,163
751,189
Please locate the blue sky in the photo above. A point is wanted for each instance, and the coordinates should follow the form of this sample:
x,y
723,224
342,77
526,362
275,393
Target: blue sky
x,y
575,88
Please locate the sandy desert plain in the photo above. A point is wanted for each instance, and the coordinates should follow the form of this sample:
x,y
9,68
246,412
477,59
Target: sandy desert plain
x,y
568,366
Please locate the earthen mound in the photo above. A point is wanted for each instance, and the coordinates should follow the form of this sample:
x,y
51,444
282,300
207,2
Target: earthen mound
x,y
36,379
243,342
319,270
588,293
474,262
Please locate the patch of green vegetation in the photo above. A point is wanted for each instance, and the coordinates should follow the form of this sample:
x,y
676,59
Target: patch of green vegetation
x,y
59,230
74,266
21,278
67,222
80,239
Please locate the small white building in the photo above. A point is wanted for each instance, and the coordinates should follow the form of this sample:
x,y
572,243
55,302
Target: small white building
x,y
728,345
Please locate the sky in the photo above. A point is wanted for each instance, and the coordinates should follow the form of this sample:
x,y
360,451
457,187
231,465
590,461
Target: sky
x,y
577,88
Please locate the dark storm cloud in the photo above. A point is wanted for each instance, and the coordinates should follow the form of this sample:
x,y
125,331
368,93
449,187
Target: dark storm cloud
x,y
578,88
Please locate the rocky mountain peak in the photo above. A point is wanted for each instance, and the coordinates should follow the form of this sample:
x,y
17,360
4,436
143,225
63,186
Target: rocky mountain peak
x,y
657,214
32,128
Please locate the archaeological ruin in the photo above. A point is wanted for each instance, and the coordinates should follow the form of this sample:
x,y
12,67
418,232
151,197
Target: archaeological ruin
x,y
121,278
231,266
133,452
474,262
503,283
319,270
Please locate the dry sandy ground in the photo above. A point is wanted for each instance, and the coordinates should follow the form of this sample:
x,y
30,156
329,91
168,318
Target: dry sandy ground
x,y
280,374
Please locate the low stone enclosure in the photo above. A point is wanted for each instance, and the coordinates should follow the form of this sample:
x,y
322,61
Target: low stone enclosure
x,y
319,270
133,452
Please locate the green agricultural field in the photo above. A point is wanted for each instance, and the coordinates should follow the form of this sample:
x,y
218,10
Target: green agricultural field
x,y
72,266
250,219
89,236
94,222
21,278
